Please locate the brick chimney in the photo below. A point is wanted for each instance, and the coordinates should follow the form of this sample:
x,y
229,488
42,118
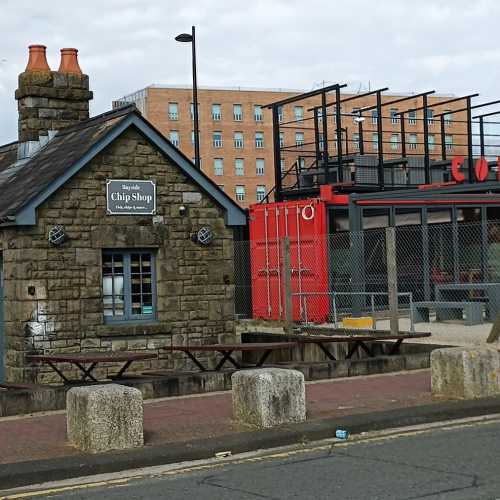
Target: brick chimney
x,y
51,100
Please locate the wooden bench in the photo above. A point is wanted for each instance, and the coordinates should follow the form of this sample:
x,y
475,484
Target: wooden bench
x,y
472,311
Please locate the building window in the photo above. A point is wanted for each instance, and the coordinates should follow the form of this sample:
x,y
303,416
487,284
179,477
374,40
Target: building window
x,y
239,166
298,111
259,139
319,113
173,111
412,117
174,137
355,142
238,140
282,139
217,139
128,285
257,113
374,116
430,116
412,141
447,117
282,164
216,112
218,166
321,143
240,193
394,116
355,114
375,142
431,142
260,193
280,113
191,111
259,166
299,139
448,140
394,142
192,136
237,113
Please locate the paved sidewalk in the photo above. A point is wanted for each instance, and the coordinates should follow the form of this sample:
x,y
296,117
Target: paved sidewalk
x,y
175,420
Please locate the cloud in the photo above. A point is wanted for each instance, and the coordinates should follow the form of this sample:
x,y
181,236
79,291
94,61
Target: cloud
x,y
446,45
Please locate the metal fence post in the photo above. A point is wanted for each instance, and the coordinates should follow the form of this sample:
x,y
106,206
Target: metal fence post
x,y
392,278
287,283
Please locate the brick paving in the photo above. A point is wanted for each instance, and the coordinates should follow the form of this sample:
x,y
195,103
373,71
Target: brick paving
x,y
197,417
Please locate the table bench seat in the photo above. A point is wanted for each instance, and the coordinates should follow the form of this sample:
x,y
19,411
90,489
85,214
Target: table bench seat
x,y
472,311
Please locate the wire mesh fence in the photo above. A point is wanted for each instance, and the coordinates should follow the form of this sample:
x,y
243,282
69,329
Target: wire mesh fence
x,y
445,271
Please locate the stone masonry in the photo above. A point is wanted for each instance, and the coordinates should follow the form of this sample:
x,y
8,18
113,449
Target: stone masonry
x,y
50,100
53,295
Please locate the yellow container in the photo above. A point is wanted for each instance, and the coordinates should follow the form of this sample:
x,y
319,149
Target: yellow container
x,y
363,322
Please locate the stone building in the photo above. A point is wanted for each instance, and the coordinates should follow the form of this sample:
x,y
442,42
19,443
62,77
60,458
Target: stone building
x,y
100,242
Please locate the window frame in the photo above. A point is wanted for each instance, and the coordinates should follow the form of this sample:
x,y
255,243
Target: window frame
x,y
216,117
260,189
259,140
128,317
173,116
237,117
258,116
242,193
217,143
239,162
260,162
238,142
176,142
217,162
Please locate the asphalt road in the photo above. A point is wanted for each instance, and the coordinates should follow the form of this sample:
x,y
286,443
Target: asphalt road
x,y
457,463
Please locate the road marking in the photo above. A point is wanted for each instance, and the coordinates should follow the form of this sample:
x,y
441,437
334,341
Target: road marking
x,y
125,477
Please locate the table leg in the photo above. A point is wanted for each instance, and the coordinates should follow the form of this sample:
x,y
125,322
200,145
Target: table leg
x,y
327,352
87,372
226,356
365,348
263,358
195,361
59,372
395,347
123,369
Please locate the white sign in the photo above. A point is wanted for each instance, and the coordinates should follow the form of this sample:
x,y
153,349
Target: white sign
x,y
130,197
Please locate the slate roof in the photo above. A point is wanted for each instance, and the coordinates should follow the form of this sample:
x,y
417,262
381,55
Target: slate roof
x,y
26,184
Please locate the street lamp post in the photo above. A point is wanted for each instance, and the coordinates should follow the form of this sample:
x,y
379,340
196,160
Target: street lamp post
x,y
186,37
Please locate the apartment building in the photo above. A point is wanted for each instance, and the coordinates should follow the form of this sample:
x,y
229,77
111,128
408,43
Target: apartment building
x,y
236,143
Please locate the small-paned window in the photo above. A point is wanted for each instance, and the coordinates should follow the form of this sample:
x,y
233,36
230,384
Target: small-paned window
x,y
259,166
237,113
240,193
260,193
257,113
259,139
216,112
412,117
128,285
218,166
238,140
299,113
217,139
239,166
173,111
174,137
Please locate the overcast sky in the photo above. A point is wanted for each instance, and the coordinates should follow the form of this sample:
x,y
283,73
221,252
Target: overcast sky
x,y
450,45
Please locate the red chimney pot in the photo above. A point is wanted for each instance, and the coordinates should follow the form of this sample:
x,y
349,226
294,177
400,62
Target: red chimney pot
x,y
37,59
69,62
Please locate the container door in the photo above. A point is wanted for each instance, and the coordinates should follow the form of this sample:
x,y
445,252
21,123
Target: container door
x,y
2,328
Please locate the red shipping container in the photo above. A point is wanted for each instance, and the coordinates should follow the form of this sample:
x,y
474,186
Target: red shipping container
x,y
305,224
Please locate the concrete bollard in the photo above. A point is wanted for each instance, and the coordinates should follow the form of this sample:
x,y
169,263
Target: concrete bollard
x,y
465,372
104,417
268,397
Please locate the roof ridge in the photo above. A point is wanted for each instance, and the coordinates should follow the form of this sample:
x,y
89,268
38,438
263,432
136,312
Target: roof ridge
x,y
113,113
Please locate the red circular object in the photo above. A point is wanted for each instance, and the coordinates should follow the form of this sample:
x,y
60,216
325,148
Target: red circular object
x,y
481,169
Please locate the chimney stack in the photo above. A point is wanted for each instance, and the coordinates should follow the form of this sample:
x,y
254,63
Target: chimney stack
x,y
51,100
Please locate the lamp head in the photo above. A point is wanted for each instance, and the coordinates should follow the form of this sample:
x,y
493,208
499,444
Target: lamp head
x,y
184,37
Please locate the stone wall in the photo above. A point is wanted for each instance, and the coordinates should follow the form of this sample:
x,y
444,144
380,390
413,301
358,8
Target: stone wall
x,y
54,295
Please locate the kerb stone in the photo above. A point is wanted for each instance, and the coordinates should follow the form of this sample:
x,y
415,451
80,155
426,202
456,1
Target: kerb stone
x,y
268,397
104,417
465,372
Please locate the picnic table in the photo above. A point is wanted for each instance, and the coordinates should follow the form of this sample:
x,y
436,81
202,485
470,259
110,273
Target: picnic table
x,y
453,291
92,359
228,349
359,341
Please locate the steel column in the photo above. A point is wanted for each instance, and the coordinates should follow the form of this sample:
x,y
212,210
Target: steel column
x,y
380,143
339,134
470,159
278,196
427,163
